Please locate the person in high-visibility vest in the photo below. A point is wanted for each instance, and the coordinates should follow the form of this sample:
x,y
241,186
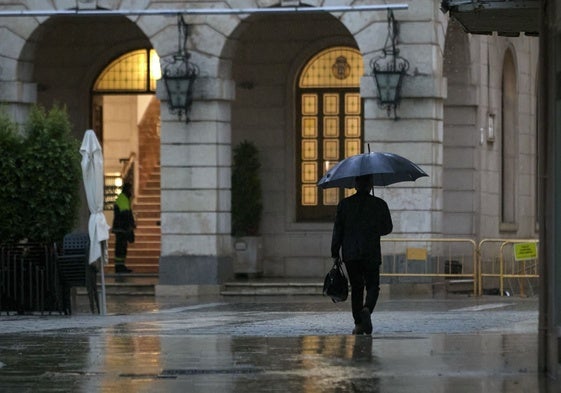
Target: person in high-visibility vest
x,y
123,227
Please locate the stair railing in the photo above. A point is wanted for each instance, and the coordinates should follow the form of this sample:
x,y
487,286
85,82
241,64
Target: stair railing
x,y
127,169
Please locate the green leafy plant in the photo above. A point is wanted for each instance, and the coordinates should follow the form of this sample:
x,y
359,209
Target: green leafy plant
x,y
42,170
247,205
11,197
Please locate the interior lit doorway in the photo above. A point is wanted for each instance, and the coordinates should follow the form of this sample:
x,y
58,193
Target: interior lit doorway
x,y
126,119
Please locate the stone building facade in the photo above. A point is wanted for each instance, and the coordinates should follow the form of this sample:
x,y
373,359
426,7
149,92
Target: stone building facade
x,y
467,116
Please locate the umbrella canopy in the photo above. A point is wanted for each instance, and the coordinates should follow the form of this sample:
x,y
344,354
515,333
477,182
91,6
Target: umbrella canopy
x,y
92,171
386,169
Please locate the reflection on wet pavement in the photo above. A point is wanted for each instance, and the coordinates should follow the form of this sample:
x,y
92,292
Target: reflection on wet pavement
x,y
198,349
110,362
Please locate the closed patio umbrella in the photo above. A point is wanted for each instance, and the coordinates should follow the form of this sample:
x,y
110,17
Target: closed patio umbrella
x,y
92,171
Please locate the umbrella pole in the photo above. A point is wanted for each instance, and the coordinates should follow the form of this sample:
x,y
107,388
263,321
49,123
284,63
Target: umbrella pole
x,y
372,186
102,301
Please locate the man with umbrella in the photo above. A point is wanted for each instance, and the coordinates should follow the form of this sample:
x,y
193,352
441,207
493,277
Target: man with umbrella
x,y
360,221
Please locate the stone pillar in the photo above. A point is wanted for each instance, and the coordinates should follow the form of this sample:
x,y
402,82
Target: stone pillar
x,y
418,133
17,90
550,190
195,187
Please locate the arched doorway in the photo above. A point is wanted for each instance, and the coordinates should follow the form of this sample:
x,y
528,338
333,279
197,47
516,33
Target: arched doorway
x,y
64,57
267,63
509,148
126,118
329,127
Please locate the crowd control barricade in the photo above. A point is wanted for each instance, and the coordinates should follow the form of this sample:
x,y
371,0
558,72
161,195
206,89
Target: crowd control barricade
x,y
429,260
508,266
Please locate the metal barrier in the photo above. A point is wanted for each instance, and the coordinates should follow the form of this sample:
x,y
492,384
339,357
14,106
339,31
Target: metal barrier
x,y
497,262
28,279
426,260
488,251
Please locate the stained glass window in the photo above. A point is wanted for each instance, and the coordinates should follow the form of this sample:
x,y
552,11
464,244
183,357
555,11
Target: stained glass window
x,y
330,121
135,71
334,67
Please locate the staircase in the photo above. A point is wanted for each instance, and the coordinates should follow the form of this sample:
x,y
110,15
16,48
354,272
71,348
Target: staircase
x,y
143,255
273,287
125,285
313,287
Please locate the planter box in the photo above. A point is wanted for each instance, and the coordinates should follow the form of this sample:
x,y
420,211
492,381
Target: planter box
x,y
248,256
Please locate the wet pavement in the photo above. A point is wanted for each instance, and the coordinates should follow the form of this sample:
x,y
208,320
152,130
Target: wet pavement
x,y
276,344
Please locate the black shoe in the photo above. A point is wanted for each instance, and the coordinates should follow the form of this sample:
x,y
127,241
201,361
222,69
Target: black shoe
x,y
122,269
358,330
365,320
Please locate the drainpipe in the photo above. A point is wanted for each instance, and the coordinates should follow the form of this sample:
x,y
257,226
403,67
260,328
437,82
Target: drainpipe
x,y
202,11
546,252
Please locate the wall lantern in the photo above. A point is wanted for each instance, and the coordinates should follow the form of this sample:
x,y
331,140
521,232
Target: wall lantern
x,y
179,74
389,69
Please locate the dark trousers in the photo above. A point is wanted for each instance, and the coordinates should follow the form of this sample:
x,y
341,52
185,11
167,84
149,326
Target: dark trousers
x,y
121,245
363,275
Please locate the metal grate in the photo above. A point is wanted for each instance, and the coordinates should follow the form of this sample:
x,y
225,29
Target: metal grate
x,y
199,371
174,373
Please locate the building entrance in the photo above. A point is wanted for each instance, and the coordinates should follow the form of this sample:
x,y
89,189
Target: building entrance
x,y
126,118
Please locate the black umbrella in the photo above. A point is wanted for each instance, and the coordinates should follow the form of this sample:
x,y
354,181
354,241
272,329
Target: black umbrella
x,y
385,168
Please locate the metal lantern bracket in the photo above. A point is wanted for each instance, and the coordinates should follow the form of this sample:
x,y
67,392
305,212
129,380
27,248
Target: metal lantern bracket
x,y
389,69
179,74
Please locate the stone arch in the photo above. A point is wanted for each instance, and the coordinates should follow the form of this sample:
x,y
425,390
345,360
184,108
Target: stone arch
x,y
16,87
61,59
370,24
81,47
266,60
509,140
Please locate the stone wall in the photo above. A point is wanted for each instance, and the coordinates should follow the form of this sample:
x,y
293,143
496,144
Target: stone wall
x,y
249,66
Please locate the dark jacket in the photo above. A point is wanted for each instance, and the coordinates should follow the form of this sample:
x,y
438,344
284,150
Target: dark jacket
x,y
361,220
123,219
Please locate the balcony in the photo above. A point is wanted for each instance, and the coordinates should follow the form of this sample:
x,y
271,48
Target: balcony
x,y
506,17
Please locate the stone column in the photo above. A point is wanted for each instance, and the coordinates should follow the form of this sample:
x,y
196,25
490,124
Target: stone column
x,y
17,90
195,187
417,134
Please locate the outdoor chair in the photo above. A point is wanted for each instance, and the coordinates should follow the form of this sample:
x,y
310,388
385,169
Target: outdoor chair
x,y
75,271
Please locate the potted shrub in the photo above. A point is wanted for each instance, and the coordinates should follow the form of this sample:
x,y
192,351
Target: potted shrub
x,y
12,144
52,173
247,209
41,176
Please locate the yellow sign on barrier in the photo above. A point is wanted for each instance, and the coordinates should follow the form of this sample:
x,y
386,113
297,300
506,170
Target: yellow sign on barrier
x,y
525,251
416,254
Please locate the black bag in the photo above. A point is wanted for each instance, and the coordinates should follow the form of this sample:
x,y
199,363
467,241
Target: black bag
x,y
335,284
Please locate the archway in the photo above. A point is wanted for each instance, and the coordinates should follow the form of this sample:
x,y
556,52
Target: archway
x,y
329,127
64,56
509,143
270,53
126,118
